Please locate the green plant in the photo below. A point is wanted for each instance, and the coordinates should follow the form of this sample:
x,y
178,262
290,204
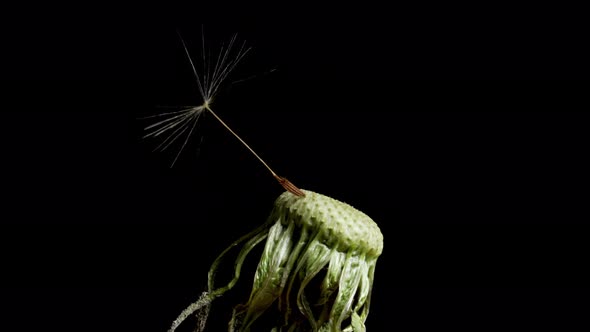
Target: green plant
x,y
318,263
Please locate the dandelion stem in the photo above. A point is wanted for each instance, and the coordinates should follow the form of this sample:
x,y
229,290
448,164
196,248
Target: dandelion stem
x,y
283,181
241,140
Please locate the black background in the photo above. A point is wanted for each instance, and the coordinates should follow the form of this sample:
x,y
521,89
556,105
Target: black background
x,y
479,187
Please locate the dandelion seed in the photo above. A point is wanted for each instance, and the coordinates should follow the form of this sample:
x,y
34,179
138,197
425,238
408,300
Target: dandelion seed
x,y
176,124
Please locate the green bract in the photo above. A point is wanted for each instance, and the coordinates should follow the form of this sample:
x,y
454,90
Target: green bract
x,y
316,269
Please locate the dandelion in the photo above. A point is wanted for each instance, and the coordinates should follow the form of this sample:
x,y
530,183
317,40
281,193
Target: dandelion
x,y
318,263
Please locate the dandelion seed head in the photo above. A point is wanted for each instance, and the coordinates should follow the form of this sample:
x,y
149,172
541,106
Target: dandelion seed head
x,y
316,270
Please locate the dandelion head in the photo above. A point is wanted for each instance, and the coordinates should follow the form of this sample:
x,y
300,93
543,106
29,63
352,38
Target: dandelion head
x,y
316,269
317,266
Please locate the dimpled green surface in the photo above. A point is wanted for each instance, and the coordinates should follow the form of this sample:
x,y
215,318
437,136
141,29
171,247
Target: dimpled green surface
x,y
340,225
